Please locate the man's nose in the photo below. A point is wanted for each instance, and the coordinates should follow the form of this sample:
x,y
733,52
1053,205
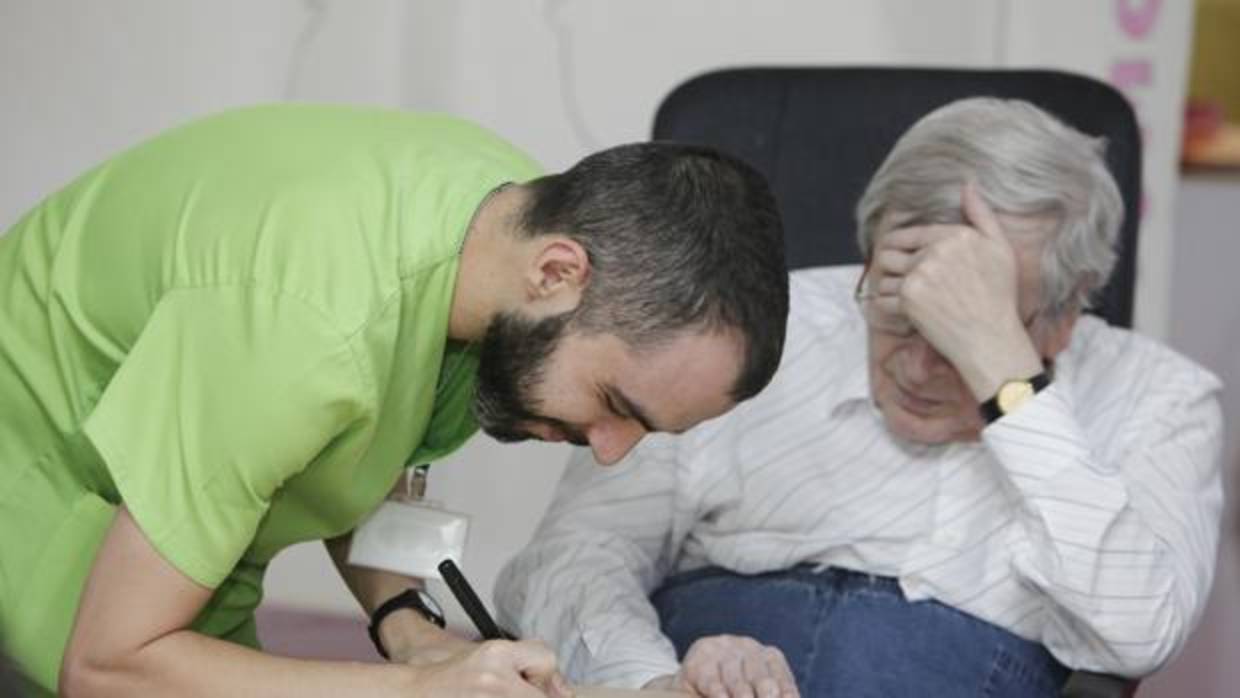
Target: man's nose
x,y
612,439
922,361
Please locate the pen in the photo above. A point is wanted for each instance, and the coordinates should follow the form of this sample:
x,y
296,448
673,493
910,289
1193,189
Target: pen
x,y
470,602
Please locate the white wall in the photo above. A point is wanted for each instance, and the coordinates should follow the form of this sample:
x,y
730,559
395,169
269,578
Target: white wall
x,y
560,78
1205,325
83,80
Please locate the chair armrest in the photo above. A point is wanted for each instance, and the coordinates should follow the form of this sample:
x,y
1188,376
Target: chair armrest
x,y
1087,684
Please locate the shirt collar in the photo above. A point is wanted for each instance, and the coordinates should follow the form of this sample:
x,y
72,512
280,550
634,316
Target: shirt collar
x,y
854,370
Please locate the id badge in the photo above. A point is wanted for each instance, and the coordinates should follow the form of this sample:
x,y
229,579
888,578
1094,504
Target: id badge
x,y
407,534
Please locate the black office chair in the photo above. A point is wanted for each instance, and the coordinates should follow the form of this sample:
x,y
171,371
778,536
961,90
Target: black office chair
x,y
819,134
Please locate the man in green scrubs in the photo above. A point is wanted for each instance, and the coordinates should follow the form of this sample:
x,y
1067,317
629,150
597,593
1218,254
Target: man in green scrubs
x,y
232,338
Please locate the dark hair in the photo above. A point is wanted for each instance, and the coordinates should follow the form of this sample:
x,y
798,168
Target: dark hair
x,y
678,236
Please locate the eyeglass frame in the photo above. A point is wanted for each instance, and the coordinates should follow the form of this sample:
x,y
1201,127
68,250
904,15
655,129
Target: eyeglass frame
x,y
860,296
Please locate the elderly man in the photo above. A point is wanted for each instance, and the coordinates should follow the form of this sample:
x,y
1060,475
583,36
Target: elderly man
x,y
957,484
233,337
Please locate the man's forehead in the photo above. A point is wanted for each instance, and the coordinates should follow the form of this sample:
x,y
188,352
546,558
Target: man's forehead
x,y
674,410
678,383
1028,233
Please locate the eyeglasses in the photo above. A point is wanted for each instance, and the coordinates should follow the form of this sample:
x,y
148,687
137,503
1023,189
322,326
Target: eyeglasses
x,y
898,324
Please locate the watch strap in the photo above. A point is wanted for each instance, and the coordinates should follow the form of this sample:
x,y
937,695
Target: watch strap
x,y
990,408
408,598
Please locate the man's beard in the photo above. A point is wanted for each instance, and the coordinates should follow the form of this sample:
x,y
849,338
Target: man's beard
x,y
511,365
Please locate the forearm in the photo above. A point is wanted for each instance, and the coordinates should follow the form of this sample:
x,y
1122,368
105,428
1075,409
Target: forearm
x,y
129,638
1122,549
1115,598
405,634
582,584
185,663
371,587
1111,609
1004,353
587,597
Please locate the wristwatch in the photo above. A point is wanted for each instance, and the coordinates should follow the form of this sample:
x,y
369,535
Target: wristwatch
x,y
411,598
1012,394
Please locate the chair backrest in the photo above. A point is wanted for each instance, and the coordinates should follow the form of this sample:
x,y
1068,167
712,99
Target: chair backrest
x,y
819,134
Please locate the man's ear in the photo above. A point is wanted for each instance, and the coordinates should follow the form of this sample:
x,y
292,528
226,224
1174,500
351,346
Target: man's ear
x,y
557,275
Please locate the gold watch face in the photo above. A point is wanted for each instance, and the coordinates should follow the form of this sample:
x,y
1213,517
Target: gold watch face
x,y
1012,394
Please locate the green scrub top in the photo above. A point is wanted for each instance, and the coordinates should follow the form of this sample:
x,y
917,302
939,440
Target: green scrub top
x,y
239,330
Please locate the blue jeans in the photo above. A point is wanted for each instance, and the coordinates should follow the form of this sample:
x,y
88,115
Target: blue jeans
x,y
853,635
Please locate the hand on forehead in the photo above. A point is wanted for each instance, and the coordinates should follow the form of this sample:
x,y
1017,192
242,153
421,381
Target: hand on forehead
x,y
933,275
957,286
979,219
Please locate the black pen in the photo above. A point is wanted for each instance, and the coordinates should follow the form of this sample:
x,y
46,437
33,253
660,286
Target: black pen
x,y
470,602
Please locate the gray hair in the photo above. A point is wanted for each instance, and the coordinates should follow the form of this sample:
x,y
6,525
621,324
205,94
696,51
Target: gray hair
x,y
1026,163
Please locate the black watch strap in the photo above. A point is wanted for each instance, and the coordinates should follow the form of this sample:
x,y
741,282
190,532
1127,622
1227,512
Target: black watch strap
x,y
990,408
410,598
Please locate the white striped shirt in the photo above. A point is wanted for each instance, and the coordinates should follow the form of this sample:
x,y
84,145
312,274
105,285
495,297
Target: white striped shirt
x,y
1087,520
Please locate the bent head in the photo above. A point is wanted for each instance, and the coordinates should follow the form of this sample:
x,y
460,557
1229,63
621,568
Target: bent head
x,y
674,312
1058,205
541,381
921,395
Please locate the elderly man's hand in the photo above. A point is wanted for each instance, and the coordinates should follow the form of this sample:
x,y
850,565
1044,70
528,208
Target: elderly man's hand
x,y
959,287
730,666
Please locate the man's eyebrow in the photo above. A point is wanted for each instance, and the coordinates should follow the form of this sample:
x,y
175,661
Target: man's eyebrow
x,y
633,409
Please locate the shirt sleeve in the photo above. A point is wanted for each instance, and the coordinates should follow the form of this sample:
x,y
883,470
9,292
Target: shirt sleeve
x,y
582,585
225,394
1119,538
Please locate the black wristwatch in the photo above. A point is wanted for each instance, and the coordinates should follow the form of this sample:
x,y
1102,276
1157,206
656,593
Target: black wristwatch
x,y
1012,394
415,599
